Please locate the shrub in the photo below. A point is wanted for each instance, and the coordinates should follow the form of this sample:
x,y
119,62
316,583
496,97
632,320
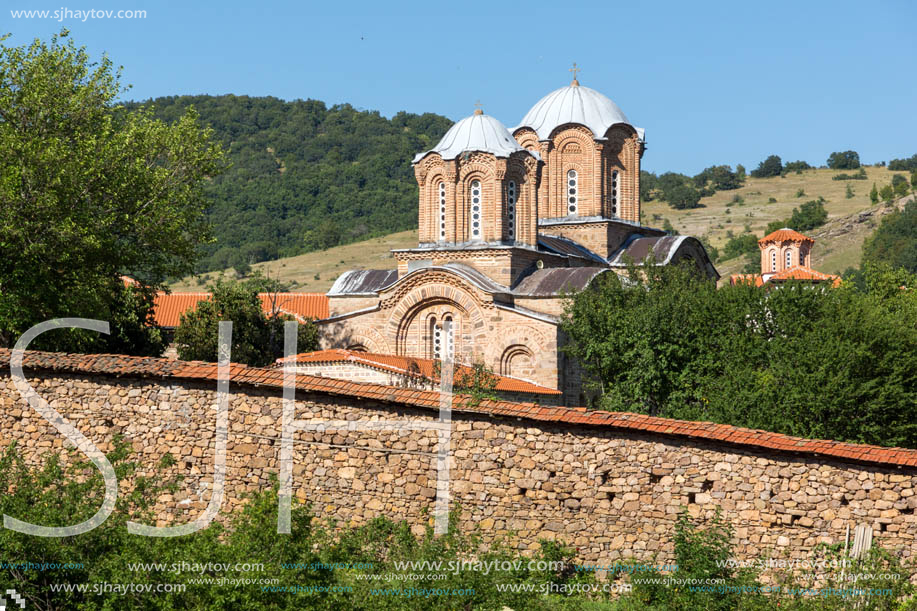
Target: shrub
x,y
796,166
909,164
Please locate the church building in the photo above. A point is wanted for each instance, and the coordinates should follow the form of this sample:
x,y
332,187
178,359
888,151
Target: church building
x,y
509,221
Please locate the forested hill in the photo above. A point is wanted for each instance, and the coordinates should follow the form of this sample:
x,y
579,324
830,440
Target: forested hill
x,y
305,176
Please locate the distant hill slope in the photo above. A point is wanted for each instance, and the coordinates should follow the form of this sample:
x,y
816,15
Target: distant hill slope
x,y
305,176
838,243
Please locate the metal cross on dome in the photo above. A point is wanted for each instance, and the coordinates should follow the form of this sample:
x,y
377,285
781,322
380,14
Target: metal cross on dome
x,y
574,70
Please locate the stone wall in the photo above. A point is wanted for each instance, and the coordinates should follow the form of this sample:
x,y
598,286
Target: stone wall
x,y
611,492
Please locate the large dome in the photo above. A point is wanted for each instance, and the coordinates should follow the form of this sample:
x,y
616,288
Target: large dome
x,y
479,132
574,104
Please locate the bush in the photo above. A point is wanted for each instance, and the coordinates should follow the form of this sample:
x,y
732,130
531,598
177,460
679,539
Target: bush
x,y
741,245
796,166
909,164
683,197
772,200
772,166
861,175
846,160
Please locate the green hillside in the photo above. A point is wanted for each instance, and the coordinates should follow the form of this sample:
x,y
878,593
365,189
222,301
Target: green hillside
x,y
304,176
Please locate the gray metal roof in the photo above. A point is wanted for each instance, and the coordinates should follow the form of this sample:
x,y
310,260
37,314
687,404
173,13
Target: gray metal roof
x,y
551,282
362,282
564,246
479,132
574,104
637,248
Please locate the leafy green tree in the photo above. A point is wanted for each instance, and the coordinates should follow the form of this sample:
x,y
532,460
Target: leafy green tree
x,y
795,166
848,193
749,357
874,194
894,242
720,177
740,172
647,186
257,338
90,191
914,180
845,160
772,166
808,216
741,245
887,193
909,164
900,185
682,197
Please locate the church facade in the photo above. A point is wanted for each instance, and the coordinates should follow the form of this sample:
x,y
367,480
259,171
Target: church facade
x,y
510,221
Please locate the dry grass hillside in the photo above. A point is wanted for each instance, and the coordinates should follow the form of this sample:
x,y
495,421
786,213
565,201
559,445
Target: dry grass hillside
x,y
837,246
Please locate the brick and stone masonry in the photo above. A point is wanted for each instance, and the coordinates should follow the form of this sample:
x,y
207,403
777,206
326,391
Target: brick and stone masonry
x,y
610,484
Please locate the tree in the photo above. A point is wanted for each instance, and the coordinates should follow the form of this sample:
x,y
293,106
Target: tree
x,y
740,172
744,244
795,166
808,216
914,180
887,193
257,338
772,166
678,347
874,194
899,185
90,191
909,164
683,197
894,242
846,160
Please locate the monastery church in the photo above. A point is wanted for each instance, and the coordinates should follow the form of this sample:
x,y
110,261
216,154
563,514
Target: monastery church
x,y
509,221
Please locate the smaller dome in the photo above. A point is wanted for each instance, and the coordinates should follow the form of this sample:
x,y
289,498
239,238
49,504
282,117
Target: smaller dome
x,y
574,104
479,132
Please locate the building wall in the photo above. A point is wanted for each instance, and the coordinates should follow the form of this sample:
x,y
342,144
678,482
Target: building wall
x,y
611,493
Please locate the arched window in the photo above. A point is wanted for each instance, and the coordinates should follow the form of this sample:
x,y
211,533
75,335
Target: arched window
x,y
773,260
511,210
448,340
442,211
476,220
614,193
436,339
802,258
789,258
572,194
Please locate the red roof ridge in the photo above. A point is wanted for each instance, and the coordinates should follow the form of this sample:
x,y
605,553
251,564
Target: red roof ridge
x,y
785,235
721,433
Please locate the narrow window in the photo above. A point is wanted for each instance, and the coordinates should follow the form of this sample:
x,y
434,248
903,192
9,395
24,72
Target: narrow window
x,y
773,260
789,258
511,210
802,258
614,193
476,210
436,339
442,211
572,195
449,343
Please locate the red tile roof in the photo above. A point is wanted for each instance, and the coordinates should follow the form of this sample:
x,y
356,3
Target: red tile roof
x,y
801,272
168,308
240,374
743,278
785,235
412,366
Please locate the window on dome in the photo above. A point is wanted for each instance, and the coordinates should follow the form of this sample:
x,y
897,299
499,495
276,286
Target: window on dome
x,y
476,220
802,258
442,211
773,260
572,192
789,258
511,210
614,193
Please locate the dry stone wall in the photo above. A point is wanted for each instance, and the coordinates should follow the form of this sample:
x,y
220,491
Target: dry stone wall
x,y
614,494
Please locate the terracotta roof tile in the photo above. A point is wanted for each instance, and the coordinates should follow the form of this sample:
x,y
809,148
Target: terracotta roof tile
x,y
785,235
241,374
168,308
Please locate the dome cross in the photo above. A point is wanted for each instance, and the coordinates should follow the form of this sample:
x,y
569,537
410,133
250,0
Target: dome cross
x,y
574,70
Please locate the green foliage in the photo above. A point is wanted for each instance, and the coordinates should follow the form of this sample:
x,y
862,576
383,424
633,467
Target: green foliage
x,y
848,193
668,227
808,216
894,242
772,166
887,193
861,175
748,357
800,192
772,200
846,160
683,197
909,164
900,185
874,194
746,243
648,186
305,176
257,338
55,496
712,251
796,166
719,178
90,191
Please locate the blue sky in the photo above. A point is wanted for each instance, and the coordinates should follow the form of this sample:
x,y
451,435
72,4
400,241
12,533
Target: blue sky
x,y
711,82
